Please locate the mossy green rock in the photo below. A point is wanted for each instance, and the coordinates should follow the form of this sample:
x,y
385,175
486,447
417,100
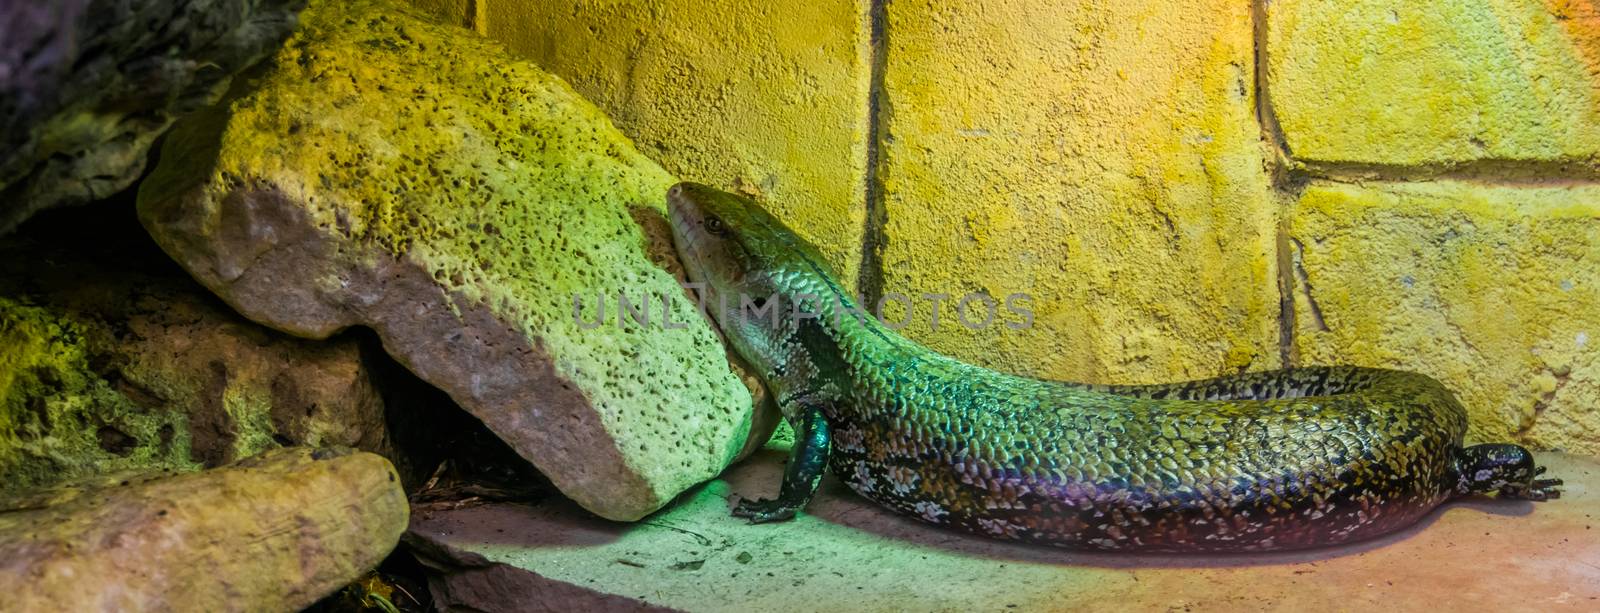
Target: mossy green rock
x,y
388,172
275,532
112,359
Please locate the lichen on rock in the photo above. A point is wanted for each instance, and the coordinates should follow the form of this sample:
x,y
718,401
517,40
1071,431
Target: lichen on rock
x,y
111,359
389,172
59,420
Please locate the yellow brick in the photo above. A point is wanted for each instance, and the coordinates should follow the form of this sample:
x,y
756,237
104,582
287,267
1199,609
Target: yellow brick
x,y
1436,81
761,97
1103,158
1493,290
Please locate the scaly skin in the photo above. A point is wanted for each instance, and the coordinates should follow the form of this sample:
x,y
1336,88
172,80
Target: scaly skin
x,y
1265,461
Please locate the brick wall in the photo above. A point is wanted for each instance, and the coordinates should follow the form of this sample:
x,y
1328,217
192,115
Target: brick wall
x,y
1184,188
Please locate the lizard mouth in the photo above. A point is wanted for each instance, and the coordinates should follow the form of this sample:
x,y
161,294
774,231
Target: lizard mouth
x,y
686,231
689,238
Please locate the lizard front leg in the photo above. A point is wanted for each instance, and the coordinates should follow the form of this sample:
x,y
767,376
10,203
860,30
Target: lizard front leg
x,y
807,461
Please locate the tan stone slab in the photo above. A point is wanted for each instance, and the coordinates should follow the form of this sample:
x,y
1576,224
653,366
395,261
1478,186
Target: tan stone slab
x,y
845,554
1437,82
1103,158
1493,290
275,532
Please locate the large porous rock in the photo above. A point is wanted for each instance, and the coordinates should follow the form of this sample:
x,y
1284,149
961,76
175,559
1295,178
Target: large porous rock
x,y
112,358
388,172
272,533
87,85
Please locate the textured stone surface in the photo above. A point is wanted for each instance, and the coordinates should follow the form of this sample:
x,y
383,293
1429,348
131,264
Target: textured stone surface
x,y
274,532
845,554
87,85
460,580
1493,290
1103,158
413,178
1437,81
111,358
760,97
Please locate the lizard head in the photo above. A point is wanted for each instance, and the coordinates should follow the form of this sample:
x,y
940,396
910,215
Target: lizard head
x,y
757,273
727,241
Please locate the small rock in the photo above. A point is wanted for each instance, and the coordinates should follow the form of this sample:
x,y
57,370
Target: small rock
x,y
113,359
275,532
393,173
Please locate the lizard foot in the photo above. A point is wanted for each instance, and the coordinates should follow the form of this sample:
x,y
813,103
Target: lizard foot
x,y
1537,490
763,510
1504,469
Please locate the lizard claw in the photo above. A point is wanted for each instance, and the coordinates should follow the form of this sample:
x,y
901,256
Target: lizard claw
x,y
763,510
1542,489
1547,489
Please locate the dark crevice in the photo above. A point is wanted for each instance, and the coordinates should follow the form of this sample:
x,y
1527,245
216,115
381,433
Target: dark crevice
x,y
869,279
1285,181
469,18
1287,194
1279,159
441,450
1303,280
1511,173
1287,354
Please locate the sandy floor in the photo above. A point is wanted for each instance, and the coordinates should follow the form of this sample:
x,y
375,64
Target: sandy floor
x,y
847,555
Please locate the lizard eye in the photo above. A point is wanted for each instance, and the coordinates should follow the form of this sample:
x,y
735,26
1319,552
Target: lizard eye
x,y
715,227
